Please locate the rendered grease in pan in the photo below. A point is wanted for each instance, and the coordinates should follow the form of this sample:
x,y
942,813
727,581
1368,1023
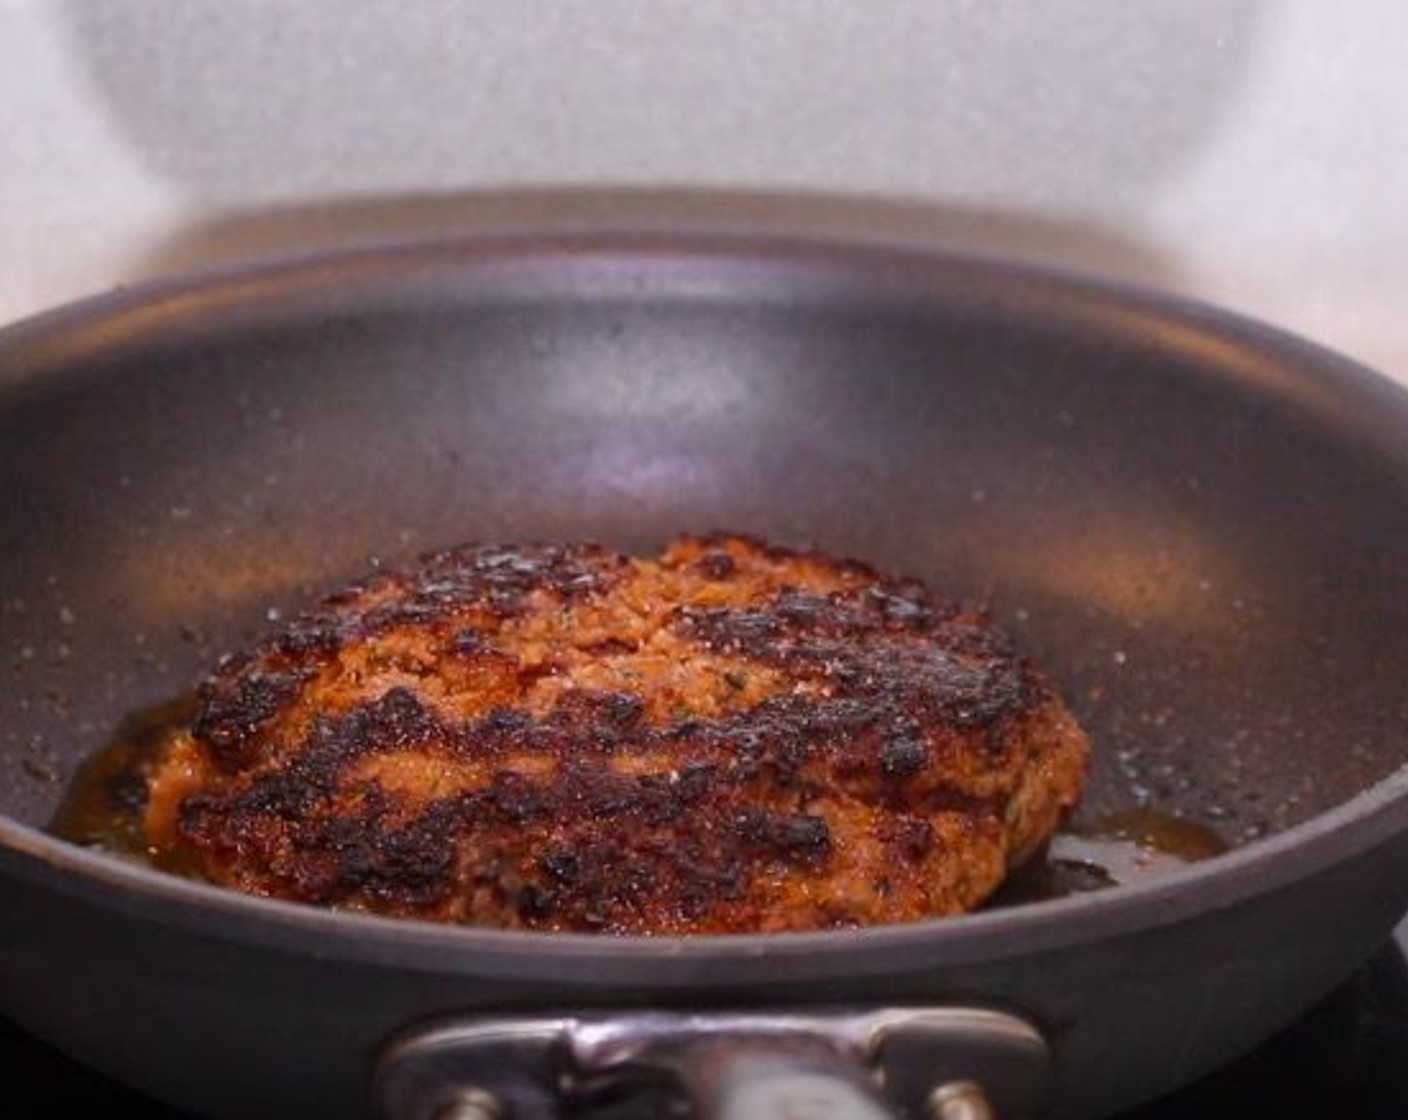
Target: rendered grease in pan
x,y
105,802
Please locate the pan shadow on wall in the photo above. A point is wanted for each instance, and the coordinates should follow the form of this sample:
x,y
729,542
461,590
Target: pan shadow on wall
x,y
250,233
1095,107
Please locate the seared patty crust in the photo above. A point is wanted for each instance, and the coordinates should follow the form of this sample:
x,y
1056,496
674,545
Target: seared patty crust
x,y
729,737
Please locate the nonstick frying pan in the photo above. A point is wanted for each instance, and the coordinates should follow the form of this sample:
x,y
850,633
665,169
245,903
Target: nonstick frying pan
x,y
1197,524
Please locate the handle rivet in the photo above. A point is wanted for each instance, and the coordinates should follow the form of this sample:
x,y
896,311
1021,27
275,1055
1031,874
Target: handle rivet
x,y
472,1104
960,1100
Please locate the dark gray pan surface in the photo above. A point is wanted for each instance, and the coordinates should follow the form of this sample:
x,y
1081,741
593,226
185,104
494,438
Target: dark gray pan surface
x,y
1198,525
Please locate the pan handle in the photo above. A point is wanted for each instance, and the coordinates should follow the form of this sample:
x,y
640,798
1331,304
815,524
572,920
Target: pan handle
x,y
949,1063
744,1077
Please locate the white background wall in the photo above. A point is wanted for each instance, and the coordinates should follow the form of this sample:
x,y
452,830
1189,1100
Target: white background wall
x,y
1250,152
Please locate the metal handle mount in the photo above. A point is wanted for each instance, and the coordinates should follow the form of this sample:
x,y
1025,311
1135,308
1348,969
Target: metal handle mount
x,y
947,1063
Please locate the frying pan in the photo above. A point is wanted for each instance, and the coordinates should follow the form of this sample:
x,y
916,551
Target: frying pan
x,y
1196,523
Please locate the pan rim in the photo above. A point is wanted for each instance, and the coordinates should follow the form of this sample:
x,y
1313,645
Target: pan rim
x,y
1344,831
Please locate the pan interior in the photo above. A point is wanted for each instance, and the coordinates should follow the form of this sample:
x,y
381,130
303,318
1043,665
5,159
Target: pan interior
x,y
1206,557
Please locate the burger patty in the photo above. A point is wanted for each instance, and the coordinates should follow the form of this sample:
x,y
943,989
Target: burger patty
x,y
729,737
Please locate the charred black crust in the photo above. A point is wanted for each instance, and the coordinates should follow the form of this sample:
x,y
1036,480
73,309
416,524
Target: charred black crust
x,y
717,565
885,644
892,680
503,577
246,693
793,835
902,756
238,701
